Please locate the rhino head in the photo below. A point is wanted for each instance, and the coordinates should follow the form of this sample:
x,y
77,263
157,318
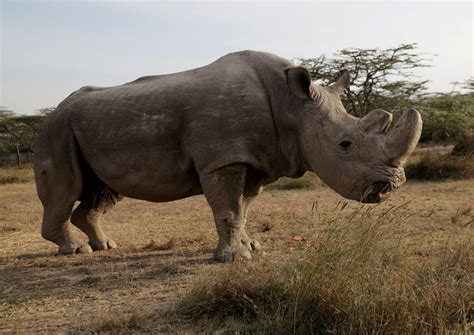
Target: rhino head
x,y
360,158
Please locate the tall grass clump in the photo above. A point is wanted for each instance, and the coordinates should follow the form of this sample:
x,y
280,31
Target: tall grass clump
x,y
356,276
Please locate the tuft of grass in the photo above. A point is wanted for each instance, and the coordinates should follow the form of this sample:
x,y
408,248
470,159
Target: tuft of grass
x,y
117,324
153,246
437,166
171,267
90,280
357,277
16,174
460,213
7,229
308,181
13,300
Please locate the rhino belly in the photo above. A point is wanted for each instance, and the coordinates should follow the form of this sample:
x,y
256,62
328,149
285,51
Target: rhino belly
x,y
141,160
159,177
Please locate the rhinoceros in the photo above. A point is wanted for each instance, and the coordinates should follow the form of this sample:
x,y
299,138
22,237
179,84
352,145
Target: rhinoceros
x,y
223,130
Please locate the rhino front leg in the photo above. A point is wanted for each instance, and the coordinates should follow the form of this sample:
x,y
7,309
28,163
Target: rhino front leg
x,y
250,195
224,190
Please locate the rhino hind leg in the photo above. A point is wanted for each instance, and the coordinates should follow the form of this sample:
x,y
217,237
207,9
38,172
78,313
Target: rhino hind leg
x,y
57,228
87,216
224,191
59,182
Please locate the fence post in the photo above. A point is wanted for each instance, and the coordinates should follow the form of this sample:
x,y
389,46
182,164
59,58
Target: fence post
x,y
18,161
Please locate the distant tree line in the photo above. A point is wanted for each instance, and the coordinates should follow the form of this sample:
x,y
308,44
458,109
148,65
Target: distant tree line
x,y
17,132
381,78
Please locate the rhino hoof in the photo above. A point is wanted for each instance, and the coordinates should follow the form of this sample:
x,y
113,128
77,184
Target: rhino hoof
x,y
84,249
228,255
74,249
109,244
255,245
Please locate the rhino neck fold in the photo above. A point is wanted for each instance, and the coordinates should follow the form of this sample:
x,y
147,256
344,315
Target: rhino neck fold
x,y
289,161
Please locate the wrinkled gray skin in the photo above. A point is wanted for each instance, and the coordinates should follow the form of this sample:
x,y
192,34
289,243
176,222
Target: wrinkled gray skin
x,y
225,130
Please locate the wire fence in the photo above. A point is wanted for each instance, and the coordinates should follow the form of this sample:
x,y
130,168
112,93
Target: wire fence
x,y
14,159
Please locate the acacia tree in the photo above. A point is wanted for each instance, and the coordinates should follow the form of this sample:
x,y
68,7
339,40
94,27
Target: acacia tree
x,y
380,78
4,136
469,84
17,132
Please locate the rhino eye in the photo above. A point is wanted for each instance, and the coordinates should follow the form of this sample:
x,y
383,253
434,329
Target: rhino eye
x,y
345,144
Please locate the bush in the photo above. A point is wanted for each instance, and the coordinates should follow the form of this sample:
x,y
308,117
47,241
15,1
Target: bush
x,y
436,166
443,125
446,116
357,278
465,145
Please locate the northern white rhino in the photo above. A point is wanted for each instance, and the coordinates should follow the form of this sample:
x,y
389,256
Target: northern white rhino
x,y
225,130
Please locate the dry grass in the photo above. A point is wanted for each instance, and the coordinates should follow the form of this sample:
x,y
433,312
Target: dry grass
x,y
165,251
117,324
16,174
352,278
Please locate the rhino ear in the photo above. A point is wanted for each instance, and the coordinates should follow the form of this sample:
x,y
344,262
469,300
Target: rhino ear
x,y
299,81
343,82
378,121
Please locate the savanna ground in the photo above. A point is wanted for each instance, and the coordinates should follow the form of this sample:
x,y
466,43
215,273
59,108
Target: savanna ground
x,y
327,265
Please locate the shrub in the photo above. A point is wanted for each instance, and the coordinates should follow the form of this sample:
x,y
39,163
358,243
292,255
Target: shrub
x,y
437,166
465,145
443,125
446,116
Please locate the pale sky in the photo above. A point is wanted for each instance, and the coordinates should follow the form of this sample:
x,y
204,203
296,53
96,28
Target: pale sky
x,y
51,48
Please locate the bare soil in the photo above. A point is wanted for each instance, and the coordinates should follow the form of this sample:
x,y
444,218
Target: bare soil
x,y
164,247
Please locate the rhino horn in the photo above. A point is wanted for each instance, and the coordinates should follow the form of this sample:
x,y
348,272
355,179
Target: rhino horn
x,y
402,139
343,82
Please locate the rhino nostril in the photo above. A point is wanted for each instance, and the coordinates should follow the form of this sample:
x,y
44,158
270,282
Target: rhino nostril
x,y
345,144
381,187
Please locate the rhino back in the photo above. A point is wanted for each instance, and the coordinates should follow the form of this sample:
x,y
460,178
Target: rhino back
x,y
151,138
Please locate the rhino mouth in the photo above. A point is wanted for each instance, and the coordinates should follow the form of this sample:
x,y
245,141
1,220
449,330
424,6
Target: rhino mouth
x,y
377,192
